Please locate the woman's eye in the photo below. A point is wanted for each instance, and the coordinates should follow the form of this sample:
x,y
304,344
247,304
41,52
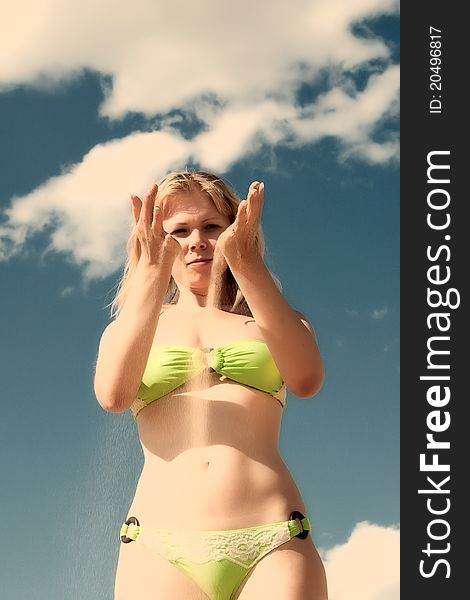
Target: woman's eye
x,y
208,226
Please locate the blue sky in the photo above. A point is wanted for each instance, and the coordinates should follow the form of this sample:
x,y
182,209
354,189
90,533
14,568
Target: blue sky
x,y
92,109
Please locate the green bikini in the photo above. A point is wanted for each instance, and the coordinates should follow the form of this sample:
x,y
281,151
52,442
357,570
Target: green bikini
x,y
248,362
218,561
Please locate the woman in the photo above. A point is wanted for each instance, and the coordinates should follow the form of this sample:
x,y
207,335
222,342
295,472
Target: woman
x,y
202,350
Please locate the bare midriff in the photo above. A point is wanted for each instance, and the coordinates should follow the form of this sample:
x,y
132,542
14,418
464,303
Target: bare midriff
x,y
212,459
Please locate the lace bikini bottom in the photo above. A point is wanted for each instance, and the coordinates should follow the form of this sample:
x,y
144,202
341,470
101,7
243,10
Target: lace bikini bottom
x,y
217,561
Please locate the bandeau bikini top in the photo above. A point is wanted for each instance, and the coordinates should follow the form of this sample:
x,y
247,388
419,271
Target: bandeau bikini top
x,y
248,362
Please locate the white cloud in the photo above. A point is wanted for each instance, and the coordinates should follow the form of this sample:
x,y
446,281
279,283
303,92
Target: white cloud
x,y
236,66
67,291
164,55
380,313
89,205
367,566
352,118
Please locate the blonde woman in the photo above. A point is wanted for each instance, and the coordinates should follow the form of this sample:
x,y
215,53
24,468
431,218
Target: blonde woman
x,y
202,350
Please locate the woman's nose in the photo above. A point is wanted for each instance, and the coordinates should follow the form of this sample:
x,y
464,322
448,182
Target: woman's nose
x,y
197,241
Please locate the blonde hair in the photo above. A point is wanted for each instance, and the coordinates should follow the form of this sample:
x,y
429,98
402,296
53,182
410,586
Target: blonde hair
x,y
226,203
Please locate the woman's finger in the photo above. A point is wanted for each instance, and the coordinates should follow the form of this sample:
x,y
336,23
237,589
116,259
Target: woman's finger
x,y
157,221
253,201
136,207
260,200
240,219
149,203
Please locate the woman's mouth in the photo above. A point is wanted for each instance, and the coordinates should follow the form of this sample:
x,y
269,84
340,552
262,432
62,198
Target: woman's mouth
x,y
199,263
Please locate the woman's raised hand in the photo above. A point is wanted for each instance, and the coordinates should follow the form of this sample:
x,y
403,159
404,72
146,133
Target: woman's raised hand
x,y
238,242
157,247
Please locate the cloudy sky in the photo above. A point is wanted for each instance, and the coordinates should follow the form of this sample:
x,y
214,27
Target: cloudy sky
x,y
97,100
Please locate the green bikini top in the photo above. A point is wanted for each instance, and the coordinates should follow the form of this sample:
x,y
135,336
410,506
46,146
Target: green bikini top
x,y
248,362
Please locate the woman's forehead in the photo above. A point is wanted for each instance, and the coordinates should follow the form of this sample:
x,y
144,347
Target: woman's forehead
x,y
188,205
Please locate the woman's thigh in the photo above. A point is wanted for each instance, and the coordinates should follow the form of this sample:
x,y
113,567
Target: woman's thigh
x,y
144,575
293,571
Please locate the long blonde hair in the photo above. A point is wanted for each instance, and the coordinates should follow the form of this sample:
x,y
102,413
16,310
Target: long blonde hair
x,y
226,203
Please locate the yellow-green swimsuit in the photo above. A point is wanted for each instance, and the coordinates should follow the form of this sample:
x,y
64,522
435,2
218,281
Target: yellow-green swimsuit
x,y
218,561
248,362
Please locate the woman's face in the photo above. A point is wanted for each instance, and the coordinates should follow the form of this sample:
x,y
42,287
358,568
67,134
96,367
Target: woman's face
x,y
193,220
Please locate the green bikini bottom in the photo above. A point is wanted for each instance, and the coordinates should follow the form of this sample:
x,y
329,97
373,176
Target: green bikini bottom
x,y
217,561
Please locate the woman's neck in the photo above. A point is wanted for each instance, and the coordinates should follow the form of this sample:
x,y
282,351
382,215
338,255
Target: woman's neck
x,y
192,299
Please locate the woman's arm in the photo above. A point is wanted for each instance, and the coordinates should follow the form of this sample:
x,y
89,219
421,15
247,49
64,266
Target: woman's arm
x,y
290,339
126,342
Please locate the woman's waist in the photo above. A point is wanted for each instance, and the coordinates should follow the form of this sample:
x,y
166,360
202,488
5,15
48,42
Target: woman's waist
x,y
209,468
217,487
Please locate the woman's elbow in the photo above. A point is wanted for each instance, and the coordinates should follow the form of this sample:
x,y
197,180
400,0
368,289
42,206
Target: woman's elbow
x,y
111,407
110,402
310,386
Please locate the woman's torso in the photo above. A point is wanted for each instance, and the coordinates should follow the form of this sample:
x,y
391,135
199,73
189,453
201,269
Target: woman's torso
x,y
211,446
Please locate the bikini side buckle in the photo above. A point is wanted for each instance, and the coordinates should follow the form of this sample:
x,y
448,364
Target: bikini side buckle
x,y
130,521
297,516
